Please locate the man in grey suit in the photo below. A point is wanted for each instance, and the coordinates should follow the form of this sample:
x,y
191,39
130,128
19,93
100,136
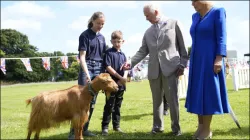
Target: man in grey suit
x,y
164,44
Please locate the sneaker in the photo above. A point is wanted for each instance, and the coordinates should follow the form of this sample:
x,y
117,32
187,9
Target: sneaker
x,y
178,133
118,130
165,112
88,134
71,135
105,132
156,130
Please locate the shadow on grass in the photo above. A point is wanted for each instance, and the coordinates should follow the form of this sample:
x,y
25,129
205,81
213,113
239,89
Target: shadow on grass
x,y
133,117
131,135
243,132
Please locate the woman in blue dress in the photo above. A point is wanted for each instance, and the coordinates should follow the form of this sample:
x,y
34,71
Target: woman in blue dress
x,y
207,94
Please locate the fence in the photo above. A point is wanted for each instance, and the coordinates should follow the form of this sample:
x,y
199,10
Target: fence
x,y
240,77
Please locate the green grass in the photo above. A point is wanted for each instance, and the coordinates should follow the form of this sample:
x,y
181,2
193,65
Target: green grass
x,y
136,114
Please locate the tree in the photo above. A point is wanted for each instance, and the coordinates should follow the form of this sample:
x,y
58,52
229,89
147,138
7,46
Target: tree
x,y
16,45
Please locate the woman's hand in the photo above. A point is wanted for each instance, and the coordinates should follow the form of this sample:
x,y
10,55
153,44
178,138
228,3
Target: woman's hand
x,y
88,79
218,64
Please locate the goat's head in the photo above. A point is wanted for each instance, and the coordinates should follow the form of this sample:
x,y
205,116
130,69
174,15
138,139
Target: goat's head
x,y
106,83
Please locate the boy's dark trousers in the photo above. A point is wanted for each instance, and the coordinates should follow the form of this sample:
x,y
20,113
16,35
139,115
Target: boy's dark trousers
x,y
112,106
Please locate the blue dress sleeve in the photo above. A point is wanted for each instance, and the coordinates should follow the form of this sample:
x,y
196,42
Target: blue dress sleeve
x,y
221,33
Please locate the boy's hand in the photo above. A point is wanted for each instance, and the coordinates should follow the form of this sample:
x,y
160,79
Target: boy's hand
x,y
126,66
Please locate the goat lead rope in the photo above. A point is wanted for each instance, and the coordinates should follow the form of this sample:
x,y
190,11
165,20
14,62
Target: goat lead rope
x,y
91,90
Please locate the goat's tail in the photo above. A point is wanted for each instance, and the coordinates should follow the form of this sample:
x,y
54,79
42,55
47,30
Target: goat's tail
x,y
28,101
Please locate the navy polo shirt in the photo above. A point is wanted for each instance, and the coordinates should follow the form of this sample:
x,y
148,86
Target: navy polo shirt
x,y
115,59
94,45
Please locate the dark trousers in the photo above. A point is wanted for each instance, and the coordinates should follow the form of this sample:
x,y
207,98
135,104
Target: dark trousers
x,y
112,107
165,103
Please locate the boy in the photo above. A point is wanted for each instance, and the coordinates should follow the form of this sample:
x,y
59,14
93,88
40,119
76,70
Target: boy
x,y
113,61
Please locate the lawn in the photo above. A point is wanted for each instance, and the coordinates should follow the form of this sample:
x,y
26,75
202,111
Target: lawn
x,y
136,113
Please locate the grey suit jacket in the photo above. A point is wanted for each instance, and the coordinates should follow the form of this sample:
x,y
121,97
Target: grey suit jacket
x,y
165,47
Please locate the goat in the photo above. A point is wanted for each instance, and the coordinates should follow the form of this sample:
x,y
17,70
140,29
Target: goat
x,y
50,108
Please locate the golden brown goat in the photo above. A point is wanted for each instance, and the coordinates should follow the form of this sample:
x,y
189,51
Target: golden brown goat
x,y
50,108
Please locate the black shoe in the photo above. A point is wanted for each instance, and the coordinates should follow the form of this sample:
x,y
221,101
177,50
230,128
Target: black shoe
x,y
88,134
178,133
156,130
165,112
118,130
71,135
105,131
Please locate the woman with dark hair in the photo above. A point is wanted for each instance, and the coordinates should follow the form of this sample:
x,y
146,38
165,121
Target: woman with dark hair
x,y
91,49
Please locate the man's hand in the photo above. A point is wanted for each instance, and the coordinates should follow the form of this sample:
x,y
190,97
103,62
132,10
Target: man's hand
x,y
180,71
126,66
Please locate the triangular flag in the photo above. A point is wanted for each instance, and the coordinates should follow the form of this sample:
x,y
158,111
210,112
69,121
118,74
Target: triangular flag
x,y
46,62
26,62
3,65
64,61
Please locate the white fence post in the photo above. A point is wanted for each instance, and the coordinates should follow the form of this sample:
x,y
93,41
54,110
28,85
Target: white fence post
x,y
235,78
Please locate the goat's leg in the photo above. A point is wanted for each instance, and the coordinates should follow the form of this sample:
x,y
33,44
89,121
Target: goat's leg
x,y
29,134
76,124
37,134
84,119
80,131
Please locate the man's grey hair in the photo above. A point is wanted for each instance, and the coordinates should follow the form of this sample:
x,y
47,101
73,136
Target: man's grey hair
x,y
152,7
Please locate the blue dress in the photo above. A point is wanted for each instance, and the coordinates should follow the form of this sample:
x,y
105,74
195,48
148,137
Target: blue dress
x,y
207,94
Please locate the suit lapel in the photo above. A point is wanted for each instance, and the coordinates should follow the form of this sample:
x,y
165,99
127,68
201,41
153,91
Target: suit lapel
x,y
163,25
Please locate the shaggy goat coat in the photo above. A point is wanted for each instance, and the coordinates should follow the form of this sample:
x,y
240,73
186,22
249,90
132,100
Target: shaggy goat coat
x,y
50,108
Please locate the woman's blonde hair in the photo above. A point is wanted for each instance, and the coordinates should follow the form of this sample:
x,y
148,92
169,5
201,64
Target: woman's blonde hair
x,y
95,16
208,3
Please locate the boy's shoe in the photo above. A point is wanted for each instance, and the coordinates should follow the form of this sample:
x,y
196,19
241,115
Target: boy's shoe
x,y
87,133
118,130
156,130
178,133
165,112
105,131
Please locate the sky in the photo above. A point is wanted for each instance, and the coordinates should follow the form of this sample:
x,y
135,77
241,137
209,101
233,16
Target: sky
x,y
56,25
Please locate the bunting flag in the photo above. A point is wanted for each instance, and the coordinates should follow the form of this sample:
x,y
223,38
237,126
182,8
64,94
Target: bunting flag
x,y
46,63
3,65
78,59
26,62
64,61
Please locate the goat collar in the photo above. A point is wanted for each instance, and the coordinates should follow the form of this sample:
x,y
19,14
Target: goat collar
x,y
91,90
